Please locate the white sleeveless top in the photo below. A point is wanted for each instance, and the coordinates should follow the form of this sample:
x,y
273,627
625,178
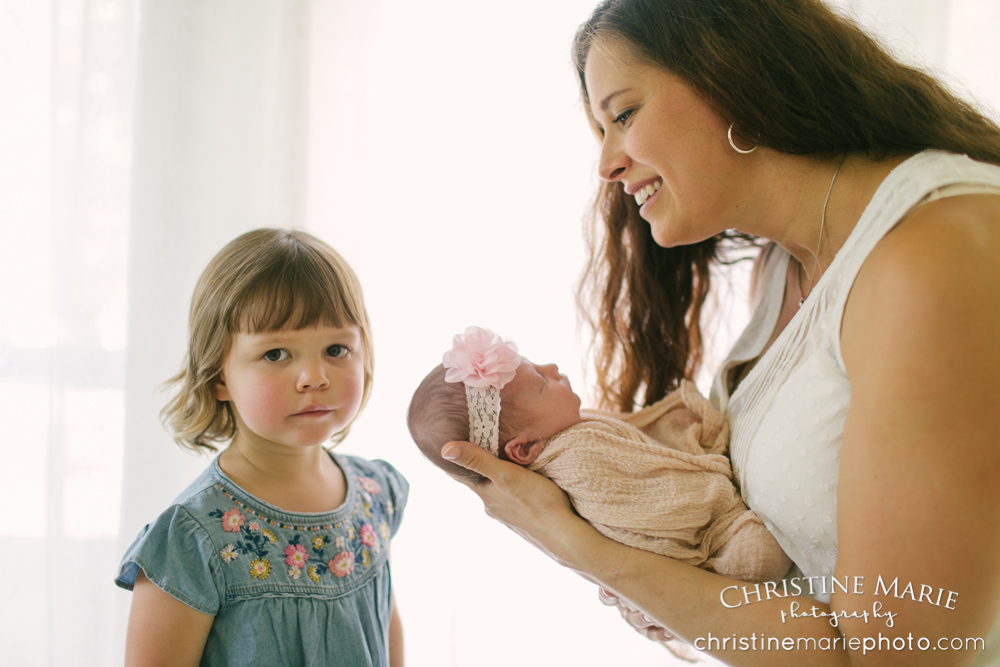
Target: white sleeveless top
x,y
787,415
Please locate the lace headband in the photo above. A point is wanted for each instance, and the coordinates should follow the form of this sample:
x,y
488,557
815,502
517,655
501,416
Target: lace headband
x,y
485,363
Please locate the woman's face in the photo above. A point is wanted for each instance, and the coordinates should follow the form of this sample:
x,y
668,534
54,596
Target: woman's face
x,y
663,143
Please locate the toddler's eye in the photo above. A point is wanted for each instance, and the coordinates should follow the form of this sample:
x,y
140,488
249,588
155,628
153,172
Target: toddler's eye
x,y
276,355
337,350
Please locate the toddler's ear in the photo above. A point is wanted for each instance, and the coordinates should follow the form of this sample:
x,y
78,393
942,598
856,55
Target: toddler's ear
x,y
221,390
522,451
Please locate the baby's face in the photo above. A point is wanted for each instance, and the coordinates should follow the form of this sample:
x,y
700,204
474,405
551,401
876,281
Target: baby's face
x,y
544,399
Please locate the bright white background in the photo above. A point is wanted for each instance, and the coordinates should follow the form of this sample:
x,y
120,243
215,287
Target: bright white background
x,y
439,145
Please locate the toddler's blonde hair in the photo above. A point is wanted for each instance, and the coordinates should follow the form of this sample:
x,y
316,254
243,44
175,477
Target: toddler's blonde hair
x,y
263,281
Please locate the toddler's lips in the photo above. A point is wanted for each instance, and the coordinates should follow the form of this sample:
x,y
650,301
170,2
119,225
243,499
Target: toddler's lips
x,y
313,411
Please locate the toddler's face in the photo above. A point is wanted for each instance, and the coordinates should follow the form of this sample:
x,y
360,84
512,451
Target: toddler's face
x,y
544,398
293,388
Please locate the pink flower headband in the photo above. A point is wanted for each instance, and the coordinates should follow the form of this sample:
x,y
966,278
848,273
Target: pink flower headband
x,y
485,363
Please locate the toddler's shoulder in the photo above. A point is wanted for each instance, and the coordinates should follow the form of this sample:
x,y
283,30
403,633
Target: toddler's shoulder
x,y
378,481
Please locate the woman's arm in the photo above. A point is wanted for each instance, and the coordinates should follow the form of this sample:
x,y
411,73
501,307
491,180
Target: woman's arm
x,y
917,500
162,630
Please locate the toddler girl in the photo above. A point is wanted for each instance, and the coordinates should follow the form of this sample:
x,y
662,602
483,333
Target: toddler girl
x,y
657,479
278,553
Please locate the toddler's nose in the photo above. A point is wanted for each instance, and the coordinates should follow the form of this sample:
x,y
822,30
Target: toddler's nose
x,y
312,377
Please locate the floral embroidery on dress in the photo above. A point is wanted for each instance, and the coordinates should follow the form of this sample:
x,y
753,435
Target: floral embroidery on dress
x,y
351,543
253,544
296,557
368,537
342,564
232,521
370,485
260,568
228,554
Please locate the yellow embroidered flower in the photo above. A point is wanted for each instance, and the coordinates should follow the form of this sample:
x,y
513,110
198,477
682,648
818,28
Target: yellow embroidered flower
x,y
366,558
313,574
269,535
368,510
260,568
350,532
318,542
383,529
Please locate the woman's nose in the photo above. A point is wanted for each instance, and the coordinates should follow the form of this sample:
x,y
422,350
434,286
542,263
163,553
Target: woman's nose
x,y
614,163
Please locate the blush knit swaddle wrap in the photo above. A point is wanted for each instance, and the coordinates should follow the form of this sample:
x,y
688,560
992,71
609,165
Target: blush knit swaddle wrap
x,y
659,480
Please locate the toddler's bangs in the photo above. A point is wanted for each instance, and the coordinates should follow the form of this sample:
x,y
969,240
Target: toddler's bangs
x,y
294,293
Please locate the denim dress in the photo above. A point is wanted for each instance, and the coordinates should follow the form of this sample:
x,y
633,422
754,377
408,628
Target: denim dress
x,y
285,588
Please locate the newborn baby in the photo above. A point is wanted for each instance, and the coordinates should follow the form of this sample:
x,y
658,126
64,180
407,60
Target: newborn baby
x,y
657,479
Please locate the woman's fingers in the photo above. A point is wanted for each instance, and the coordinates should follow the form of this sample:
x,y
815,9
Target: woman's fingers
x,y
645,626
642,623
471,457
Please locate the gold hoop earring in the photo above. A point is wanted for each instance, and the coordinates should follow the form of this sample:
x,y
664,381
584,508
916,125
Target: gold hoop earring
x,y
733,144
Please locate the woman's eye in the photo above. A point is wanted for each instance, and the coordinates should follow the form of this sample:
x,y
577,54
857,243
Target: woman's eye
x,y
623,117
276,355
337,350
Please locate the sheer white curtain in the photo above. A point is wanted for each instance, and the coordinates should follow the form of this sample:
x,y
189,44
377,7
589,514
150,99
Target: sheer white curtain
x,y
439,145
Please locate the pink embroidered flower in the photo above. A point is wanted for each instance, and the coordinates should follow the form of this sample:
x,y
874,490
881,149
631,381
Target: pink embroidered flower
x,y
254,526
480,358
296,556
368,536
232,520
342,564
369,485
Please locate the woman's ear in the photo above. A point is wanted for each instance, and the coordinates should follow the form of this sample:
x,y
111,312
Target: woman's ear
x,y
523,451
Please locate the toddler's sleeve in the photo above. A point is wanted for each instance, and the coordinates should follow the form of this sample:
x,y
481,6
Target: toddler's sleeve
x,y
177,554
398,491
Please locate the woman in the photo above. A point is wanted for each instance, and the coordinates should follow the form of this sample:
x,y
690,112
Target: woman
x,y
862,396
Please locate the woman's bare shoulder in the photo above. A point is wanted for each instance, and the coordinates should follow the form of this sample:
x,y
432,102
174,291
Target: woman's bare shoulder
x,y
942,257
926,304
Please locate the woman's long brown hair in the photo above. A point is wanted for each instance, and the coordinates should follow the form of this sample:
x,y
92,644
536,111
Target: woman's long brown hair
x,y
793,76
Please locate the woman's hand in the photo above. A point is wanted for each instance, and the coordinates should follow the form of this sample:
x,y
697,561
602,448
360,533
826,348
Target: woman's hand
x,y
642,623
529,504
